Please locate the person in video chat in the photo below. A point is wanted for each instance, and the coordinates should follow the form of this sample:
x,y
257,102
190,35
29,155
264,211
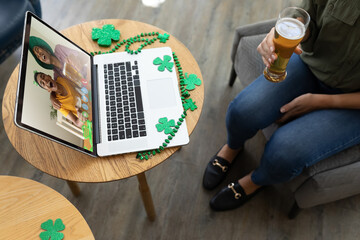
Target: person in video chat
x,y
65,93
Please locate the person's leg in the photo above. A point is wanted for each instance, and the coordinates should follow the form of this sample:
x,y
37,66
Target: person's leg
x,y
293,147
304,142
258,105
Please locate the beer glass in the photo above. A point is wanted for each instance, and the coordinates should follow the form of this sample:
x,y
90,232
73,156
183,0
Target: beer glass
x,y
290,29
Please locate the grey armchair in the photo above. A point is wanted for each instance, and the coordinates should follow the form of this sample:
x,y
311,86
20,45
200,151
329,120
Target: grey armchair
x,y
12,16
331,179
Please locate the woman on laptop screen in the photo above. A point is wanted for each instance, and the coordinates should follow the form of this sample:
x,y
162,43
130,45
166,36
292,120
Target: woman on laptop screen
x,y
65,93
65,62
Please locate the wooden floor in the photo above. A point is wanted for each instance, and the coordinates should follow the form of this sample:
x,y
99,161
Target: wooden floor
x,y
114,210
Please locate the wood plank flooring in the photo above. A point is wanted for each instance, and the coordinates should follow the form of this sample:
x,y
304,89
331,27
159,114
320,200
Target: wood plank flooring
x,y
114,210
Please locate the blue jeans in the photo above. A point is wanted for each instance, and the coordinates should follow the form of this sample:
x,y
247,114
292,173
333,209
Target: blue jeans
x,y
299,143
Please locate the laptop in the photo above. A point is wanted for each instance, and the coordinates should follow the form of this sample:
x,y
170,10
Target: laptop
x,y
100,105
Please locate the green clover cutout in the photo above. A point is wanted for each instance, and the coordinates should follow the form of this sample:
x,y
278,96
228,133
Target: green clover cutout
x,y
191,80
189,104
164,63
105,35
166,125
52,230
163,37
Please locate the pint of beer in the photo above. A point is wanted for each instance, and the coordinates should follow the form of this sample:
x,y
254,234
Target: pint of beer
x,y
289,31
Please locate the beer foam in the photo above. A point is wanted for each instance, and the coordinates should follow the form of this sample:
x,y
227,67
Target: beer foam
x,y
290,28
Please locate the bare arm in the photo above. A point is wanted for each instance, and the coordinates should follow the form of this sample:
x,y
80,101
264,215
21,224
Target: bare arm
x,y
310,102
55,103
346,100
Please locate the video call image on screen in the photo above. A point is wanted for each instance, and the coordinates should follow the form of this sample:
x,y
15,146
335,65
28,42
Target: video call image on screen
x,y
57,91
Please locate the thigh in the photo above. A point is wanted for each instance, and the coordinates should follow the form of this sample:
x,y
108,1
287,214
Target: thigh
x,y
313,137
263,98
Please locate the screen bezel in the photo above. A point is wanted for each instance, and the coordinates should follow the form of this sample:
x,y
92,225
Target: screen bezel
x,y
21,88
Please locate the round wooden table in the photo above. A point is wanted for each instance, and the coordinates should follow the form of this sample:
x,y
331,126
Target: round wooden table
x,y
73,166
26,204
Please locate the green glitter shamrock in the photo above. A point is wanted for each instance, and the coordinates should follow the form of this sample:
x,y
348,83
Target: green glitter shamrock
x,y
164,64
191,80
166,125
52,230
189,104
104,35
163,37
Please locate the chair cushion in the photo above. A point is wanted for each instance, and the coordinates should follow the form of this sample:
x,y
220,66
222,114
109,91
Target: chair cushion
x,y
248,64
330,185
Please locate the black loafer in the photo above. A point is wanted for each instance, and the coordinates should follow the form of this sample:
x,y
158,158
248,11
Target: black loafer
x,y
215,172
231,197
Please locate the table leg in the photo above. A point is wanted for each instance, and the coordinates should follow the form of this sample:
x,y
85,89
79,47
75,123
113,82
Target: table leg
x,y
146,196
74,187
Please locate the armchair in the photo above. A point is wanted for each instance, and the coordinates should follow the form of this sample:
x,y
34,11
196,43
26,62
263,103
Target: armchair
x,y
329,180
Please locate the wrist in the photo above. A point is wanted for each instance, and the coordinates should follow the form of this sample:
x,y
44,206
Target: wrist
x,y
323,101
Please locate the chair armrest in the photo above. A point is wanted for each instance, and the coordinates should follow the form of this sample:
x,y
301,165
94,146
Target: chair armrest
x,y
250,30
37,7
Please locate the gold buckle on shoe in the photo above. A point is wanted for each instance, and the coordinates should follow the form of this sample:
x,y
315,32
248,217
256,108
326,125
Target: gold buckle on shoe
x,y
237,195
216,163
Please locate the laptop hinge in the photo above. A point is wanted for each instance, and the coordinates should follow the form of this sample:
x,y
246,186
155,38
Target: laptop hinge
x,y
96,112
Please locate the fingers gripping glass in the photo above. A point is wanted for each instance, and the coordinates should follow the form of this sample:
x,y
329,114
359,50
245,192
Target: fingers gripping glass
x,y
290,29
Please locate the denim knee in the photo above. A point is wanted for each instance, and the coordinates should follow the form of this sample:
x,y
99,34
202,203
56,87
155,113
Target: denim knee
x,y
243,120
245,112
282,160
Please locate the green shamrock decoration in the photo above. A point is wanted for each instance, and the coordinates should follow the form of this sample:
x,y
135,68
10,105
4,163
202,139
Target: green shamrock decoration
x,y
87,133
163,37
164,63
52,230
105,35
35,82
166,125
191,80
189,104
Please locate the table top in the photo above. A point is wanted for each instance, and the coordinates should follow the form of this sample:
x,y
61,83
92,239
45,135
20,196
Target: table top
x,y
65,163
26,204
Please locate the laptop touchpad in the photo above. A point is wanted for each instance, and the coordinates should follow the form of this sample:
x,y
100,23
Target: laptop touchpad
x,y
161,93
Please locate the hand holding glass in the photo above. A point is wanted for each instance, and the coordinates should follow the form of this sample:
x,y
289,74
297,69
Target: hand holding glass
x,y
290,29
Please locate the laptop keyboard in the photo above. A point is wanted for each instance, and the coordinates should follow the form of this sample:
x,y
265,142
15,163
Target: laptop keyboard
x,y
124,108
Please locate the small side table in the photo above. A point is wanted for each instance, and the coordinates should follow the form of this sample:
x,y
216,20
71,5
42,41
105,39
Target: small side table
x,y
25,204
73,166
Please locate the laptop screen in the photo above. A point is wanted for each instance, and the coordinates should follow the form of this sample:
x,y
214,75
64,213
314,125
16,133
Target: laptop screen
x,y
54,95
